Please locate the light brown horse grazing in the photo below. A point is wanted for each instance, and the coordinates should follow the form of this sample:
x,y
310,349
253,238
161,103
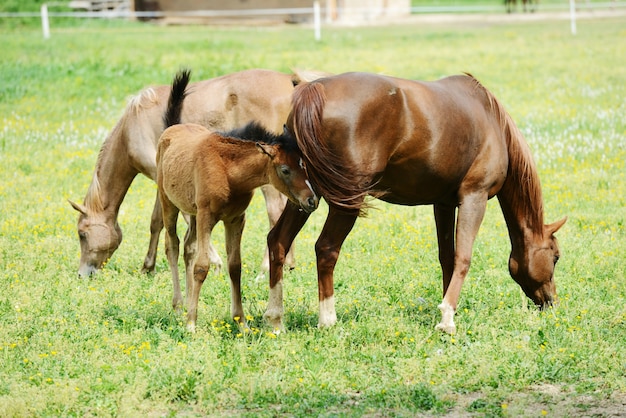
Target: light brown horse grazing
x,y
212,176
448,143
222,103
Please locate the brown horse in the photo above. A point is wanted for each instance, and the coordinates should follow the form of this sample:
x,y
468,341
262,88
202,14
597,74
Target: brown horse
x,y
448,143
222,103
527,5
212,177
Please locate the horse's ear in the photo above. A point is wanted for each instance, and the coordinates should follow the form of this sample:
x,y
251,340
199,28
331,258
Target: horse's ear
x,y
82,209
266,149
553,227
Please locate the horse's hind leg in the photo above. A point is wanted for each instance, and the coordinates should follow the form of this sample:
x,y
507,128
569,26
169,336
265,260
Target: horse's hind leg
x,y
234,230
275,204
279,241
156,225
205,222
170,216
336,228
190,254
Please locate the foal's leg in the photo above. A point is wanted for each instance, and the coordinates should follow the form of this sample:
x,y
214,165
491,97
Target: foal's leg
x,y
471,212
214,258
156,225
275,203
234,230
170,216
191,251
205,222
279,240
337,227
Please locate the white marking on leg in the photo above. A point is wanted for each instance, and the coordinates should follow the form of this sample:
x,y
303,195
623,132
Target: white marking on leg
x,y
447,318
328,316
274,313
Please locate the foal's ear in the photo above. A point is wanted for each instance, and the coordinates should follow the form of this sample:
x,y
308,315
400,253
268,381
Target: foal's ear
x,y
269,150
82,209
553,227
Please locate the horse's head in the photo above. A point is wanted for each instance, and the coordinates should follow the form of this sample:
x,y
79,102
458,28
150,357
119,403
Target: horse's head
x,y
532,265
289,175
98,240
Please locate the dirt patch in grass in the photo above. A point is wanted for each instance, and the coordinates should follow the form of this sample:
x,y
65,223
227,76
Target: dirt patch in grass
x,y
541,400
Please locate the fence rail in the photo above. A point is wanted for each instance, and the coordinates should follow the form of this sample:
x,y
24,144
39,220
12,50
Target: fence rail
x,y
110,9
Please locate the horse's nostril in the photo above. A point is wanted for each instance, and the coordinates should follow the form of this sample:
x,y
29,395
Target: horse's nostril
x,y
312,202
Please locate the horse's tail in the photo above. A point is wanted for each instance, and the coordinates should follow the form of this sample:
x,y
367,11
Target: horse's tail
x,y
339,184
177,97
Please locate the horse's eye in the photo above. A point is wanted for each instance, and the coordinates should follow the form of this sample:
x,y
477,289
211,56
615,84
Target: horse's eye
x,y
285,170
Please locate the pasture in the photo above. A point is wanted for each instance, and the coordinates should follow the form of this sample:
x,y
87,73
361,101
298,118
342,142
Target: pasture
x,y
112,346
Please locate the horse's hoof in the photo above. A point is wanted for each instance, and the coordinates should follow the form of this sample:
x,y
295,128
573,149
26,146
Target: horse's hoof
x,y
447,328
274,320
147,269
260,277
191,327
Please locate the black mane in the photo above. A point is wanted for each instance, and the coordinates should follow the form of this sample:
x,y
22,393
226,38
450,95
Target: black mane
x,y
254,132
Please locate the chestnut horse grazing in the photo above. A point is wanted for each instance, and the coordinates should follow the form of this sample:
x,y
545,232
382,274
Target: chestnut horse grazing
x,y
212,177
222,103
447,143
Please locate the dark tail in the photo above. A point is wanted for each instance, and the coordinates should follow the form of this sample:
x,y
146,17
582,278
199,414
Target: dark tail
x,y
341,185
177,96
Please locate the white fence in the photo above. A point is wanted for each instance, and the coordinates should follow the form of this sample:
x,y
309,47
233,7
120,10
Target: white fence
x,y
315,11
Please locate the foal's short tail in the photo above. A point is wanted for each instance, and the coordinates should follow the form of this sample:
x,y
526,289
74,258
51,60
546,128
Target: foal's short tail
x,y
177,96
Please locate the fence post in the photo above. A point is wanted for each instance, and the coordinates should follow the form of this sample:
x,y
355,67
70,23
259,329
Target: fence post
x,y
572,15
317,20
45,24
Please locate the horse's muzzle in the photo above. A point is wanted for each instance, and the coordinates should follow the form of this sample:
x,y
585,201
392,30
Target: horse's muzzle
x,y
310,204
86,271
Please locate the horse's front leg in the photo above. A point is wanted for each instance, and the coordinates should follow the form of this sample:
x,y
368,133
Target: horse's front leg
x,y
279,241
444,219
470,216
205,222
156,225
234,230
336,228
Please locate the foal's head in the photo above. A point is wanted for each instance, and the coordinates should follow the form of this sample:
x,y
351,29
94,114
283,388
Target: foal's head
x,y
532,265
288,174
99,239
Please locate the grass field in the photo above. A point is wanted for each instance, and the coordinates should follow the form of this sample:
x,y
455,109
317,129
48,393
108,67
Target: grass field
x,y
111,346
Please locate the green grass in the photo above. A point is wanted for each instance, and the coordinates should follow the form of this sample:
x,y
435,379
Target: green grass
x,y
112,346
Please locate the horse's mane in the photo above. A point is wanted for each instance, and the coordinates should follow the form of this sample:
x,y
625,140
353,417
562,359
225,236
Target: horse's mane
x,y
522,187
340,184
146,98
93,200
255,132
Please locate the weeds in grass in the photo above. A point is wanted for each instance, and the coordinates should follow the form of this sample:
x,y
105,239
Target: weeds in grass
x,y
111,345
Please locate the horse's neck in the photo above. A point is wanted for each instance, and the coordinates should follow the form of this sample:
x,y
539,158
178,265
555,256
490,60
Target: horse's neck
x,y
112,177
520,197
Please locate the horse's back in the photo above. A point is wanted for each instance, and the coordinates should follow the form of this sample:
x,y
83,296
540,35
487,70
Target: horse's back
x,y
233,100
177,154
419,142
